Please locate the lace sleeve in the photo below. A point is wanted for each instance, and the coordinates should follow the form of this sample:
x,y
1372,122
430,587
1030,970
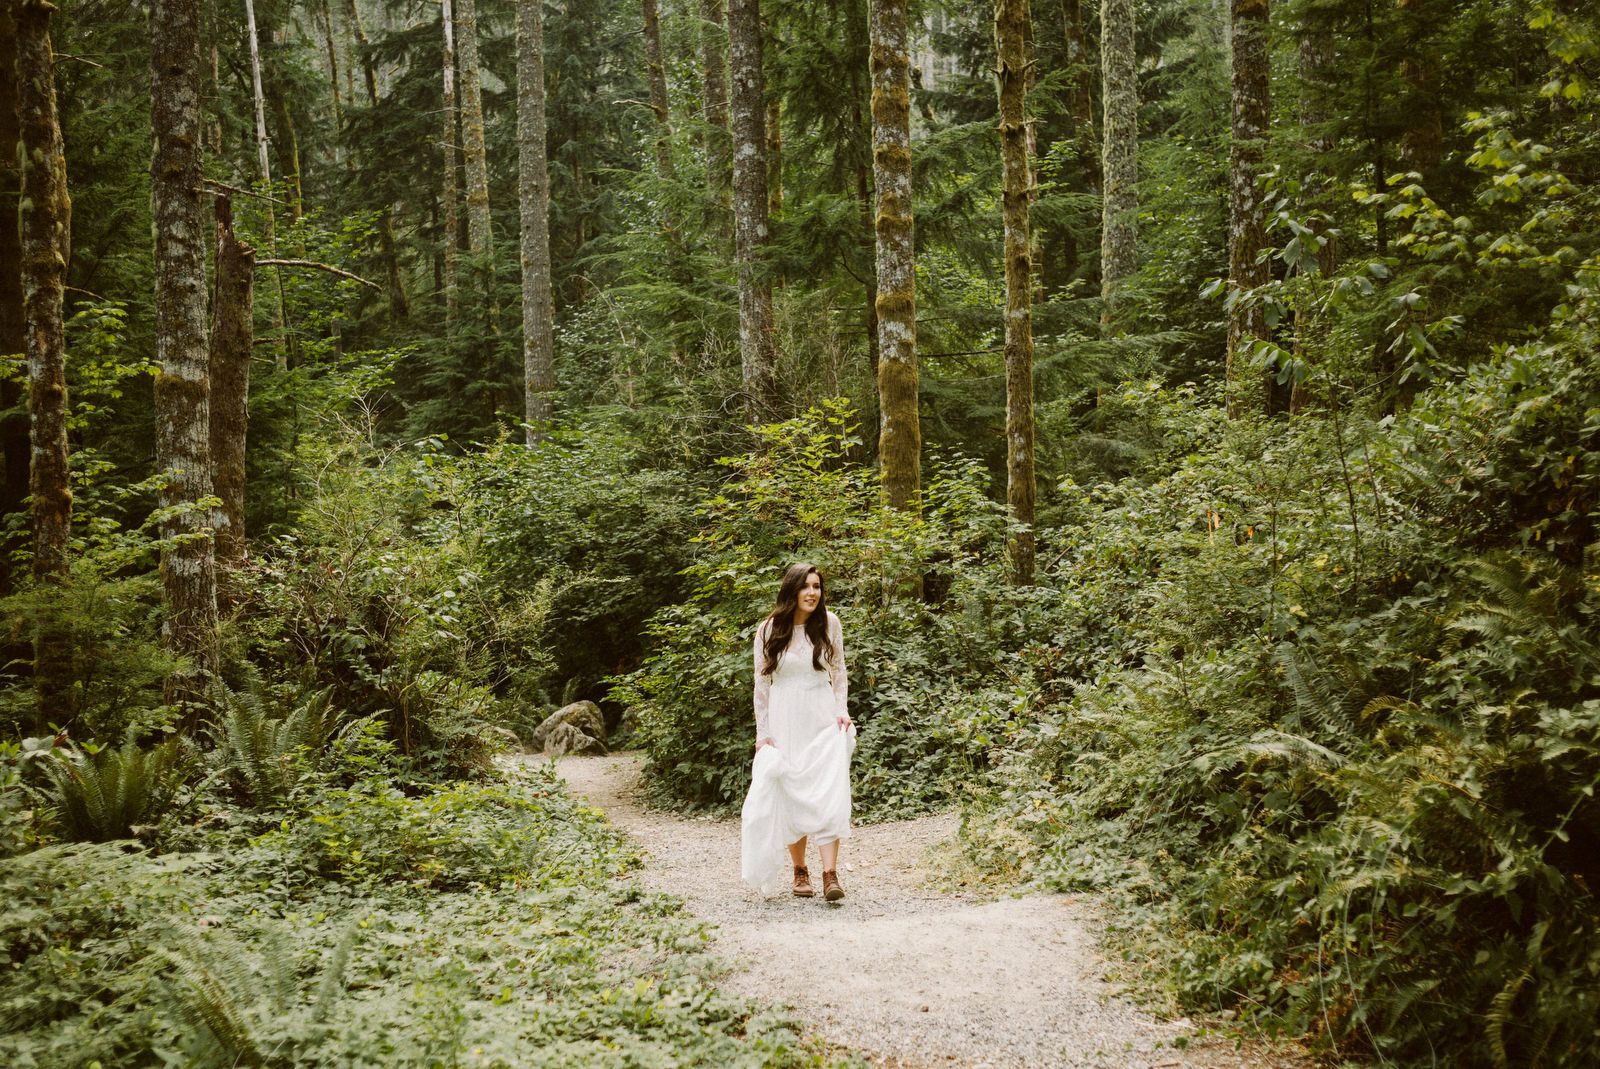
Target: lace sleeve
x,y
841,673
763,685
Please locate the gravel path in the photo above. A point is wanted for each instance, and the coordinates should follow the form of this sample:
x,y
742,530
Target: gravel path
x,y
909,977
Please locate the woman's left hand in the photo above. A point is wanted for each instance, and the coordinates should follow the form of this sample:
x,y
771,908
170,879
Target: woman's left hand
x,y
845,723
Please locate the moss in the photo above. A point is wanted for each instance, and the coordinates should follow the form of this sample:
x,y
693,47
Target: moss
x,y
900,307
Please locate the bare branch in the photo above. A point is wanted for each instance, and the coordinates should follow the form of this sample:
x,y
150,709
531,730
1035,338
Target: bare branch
x,y
320,267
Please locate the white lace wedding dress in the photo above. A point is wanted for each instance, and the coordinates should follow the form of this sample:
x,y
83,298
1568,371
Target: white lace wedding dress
x,y
800,785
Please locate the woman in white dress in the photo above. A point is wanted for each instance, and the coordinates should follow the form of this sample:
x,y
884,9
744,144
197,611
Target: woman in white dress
x,y
800,778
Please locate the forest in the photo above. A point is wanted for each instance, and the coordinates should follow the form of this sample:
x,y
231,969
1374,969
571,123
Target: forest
x,y
1192,407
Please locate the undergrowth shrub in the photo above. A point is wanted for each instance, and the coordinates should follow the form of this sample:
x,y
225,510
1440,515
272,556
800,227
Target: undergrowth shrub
x,y
910,658
1334,748
99,794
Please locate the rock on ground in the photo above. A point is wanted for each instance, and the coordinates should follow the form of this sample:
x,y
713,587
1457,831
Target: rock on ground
x,y
577,728
907,976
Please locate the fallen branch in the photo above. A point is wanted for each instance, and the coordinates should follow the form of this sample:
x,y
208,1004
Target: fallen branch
x,y
242,192
320,267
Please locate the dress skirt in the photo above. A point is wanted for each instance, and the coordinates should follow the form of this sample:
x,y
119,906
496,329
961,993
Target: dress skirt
x,y
800,785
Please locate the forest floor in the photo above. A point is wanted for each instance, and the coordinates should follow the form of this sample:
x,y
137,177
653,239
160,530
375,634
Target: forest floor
x,y
907,976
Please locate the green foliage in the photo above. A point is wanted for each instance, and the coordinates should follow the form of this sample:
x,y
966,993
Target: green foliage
x,y
800,497
506,933
121,793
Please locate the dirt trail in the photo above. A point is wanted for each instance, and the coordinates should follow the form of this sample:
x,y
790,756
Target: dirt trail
x,y
909,976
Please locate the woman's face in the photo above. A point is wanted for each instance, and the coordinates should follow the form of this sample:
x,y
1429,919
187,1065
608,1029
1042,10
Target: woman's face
x,y
810,593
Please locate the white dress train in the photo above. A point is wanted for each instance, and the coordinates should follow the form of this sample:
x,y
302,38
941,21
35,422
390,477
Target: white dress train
x,y
800,785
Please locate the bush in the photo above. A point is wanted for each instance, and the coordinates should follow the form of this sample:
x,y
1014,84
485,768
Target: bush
x,y
910,659
105,794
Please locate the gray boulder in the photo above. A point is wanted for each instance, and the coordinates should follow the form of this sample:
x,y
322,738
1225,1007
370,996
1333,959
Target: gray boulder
x,y
576,728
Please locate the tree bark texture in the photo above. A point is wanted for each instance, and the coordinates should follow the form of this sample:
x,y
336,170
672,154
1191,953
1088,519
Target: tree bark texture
x,y
656,70
1119,251
719,153
450,210
1252,110
533,179
182,391
14,422
232,334
774,158
1080,72
1012,22
399,303
1422,146
757,356
472,141
899,426
1316,62
45,225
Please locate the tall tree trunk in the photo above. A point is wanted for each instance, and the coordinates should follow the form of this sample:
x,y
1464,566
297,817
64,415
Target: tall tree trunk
x,y
472,143
232,333
533,177
1012,22
757,357
450,237
264,164
1316,62
399,304
656,70
864,197
1422,146
1080,74
899,426
325,16
1252,111
14,422
45,223
719,152
1119,251
774,157
183,400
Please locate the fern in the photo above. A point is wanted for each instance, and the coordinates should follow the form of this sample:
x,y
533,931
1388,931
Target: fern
x,y
270,756
113,793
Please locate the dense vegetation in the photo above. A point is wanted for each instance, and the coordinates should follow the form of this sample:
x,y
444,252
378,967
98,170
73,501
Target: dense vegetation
x,y
1305,681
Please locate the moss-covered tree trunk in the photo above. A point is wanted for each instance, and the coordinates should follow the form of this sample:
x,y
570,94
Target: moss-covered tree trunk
x,y
719,151
45,226
1012,22
14,422
747,100
449,194
533,192
394,282
264,165
1119,157
1316,62
182,389
232,335
656,72
774,157
479,240
1251,110
899,426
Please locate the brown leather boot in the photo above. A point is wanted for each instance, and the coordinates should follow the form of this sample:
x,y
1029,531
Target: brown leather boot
x,y
802,882
831,891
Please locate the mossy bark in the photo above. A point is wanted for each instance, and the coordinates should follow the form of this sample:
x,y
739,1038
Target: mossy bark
x,y
45,226
747,100
533,179
480,242
1012,22
1119,158
399,303
899,421
1251,112
656,74
713,61
232,334
182,389
449,193
14,422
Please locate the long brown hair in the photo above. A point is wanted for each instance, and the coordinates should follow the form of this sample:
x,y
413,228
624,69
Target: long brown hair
x,y
781,620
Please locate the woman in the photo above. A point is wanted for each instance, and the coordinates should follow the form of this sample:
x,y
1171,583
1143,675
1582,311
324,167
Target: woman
x,y
800,778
